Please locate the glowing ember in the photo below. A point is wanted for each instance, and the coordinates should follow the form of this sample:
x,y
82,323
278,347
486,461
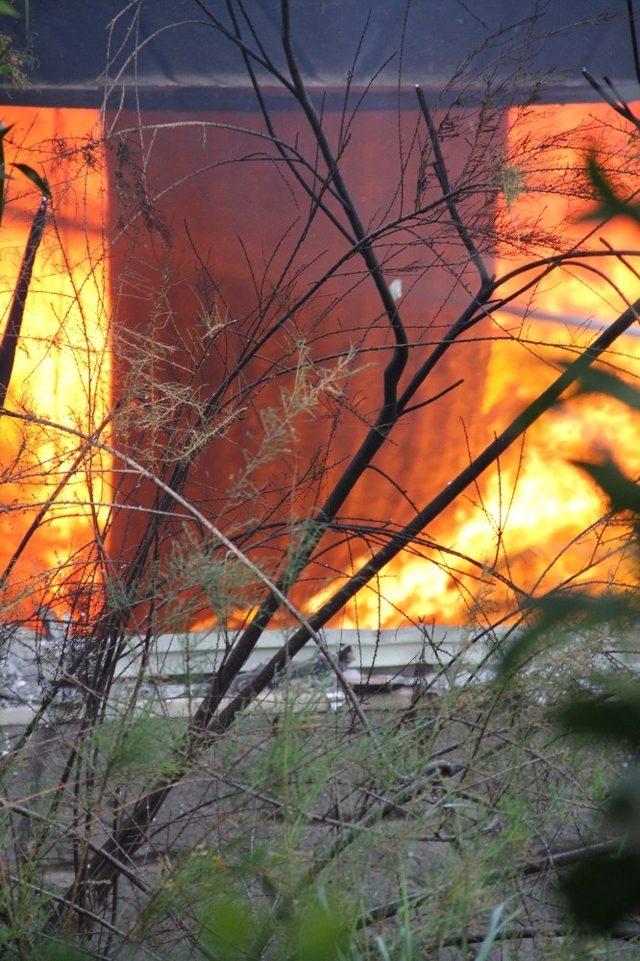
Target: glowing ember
x,y
62,367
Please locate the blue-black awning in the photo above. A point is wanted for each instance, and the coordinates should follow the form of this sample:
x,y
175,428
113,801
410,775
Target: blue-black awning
x,y
168,53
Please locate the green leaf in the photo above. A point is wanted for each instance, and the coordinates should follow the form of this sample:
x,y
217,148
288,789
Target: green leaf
x,y
7,10
553,616
144,747
623,493
229,930
611,714
382,948
611,205
492,933
623,807
320,932
40,182
598,381
603,889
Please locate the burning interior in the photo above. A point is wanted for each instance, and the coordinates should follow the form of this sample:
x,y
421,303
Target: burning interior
x,y
304,298
199,306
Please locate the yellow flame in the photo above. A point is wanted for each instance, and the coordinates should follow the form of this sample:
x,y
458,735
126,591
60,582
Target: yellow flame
x,y
527,518
62,370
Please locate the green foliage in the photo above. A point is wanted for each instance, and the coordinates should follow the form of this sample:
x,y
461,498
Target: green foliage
x,y
555,621
12,61
230,929
7,10
231,926
604,886
11,64
40,182
196,881
319,931
60,951
610,712
492,933
286,796
118,598
596,380
512,183
622,493
134,747
199,576
603,889
611,204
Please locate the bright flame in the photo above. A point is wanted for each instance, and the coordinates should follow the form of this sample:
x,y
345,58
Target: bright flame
x,y
62,369
527,520
521,527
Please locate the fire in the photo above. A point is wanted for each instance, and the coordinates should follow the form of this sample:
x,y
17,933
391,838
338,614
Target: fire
x,y
62,369
520,530
527,520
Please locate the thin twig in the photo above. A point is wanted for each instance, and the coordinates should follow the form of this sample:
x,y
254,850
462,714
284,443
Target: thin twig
x,y
443,179
432,510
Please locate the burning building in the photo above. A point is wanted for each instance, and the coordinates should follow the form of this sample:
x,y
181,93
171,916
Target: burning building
x,y
223,287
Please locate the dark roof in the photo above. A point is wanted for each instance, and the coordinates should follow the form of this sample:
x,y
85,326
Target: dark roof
x,y
182,60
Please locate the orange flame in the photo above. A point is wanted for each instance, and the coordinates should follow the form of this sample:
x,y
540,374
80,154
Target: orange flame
x,y
526,519
62,368
521,526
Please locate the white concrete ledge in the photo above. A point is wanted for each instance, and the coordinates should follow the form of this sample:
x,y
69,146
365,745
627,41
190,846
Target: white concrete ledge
x,y
198,653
